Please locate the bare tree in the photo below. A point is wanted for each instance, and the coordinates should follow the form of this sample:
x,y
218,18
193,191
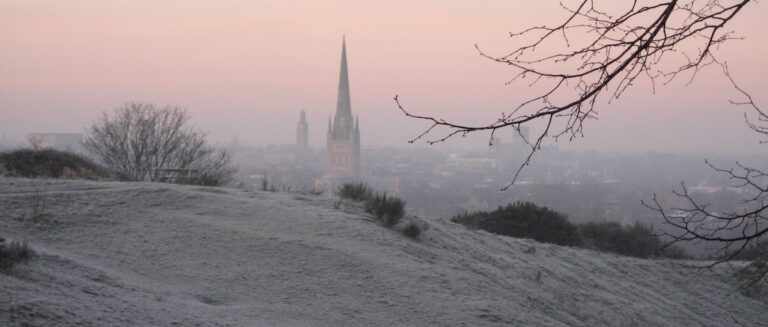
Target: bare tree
x,y
140,141
599,55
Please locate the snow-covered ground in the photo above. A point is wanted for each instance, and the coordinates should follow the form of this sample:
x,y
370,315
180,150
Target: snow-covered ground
x,y
165,255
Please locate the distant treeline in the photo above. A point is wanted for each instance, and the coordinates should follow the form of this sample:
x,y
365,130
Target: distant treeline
x,y
527,220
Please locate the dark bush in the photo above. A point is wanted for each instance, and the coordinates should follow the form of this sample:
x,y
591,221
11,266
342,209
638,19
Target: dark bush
x,y
412,230
636,241
525,220
754,276
751,252
13,252
673,252
387,210
49,163
355,191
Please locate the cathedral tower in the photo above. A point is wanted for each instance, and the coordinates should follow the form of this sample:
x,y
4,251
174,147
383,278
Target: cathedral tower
x,y
302,133
343,129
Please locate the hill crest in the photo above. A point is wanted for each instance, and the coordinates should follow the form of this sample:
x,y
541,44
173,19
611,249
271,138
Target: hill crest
x,y
160,254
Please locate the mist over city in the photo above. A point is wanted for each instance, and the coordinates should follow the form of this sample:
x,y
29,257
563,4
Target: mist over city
x,y
340,163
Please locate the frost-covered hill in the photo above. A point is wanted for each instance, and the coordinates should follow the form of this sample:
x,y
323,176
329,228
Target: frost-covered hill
x,y
165,255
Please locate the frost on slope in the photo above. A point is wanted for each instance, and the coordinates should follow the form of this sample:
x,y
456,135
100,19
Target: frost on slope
x,y
191,255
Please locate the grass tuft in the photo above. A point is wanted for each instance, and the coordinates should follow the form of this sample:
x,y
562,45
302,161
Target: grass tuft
x,y
13,252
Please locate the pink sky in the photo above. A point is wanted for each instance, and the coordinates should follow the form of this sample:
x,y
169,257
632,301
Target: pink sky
x,y
246,68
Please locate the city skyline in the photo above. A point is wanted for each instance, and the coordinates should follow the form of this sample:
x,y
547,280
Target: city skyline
x,y
245,70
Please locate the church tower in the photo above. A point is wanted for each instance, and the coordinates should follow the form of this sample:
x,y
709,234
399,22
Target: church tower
x,y
343,129
302,133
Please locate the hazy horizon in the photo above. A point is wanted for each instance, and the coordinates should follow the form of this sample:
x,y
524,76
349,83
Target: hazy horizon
x,y
246,69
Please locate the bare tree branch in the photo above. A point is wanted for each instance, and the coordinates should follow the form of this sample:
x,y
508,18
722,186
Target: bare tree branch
x,y
739,230
643,41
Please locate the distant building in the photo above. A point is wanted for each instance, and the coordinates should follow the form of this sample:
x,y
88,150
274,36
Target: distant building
x,y
72,142
283,155
496,147
302,133
344,132
343,147
454,161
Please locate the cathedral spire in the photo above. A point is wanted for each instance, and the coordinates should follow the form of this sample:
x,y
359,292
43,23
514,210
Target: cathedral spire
x,y
343,131
343,103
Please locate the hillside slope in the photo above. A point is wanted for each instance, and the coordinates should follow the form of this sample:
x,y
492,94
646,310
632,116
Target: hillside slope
x,y
157,254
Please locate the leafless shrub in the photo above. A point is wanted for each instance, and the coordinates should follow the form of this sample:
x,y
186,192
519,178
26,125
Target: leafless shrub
x,y
388,210
141,142
39,202
412,230
355,191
